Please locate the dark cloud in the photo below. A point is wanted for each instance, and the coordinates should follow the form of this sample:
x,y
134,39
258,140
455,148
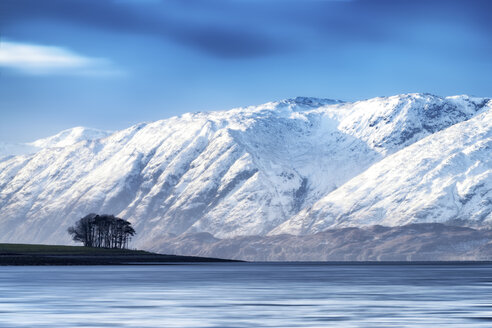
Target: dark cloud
x,y
243,29
382,20
221,37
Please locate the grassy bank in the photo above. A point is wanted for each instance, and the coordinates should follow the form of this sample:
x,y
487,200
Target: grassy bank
x,y
34,254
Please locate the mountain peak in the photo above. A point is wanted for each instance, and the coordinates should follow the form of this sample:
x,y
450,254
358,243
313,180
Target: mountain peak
x,y
69,137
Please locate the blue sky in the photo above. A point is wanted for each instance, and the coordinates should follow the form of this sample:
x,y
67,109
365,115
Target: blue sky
x,y
111,63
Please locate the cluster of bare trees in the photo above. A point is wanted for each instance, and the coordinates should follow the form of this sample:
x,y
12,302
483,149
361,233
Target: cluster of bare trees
x,y
104,230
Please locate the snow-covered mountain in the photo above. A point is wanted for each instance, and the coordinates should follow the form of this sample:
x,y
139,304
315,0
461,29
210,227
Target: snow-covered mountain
x,y
444,177
65,138
14,149
274,168
69,137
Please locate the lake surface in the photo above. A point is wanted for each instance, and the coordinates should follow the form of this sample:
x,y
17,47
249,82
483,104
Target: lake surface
x,y
247,295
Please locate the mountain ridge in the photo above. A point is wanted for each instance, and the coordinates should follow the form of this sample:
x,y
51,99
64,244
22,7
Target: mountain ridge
x,y
464,164
232,173
62,139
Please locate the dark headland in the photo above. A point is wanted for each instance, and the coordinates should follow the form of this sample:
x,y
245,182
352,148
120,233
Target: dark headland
x,y
32,254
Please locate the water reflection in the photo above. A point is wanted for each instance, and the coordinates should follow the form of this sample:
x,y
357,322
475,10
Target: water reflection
x,y
247,295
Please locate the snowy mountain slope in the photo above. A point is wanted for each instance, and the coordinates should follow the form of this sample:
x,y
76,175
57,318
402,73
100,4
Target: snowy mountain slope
x,y
444,177
69,137
392,123
65,138
14,149
239,172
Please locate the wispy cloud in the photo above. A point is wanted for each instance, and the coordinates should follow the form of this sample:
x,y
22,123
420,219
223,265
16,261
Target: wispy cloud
x,y
47,60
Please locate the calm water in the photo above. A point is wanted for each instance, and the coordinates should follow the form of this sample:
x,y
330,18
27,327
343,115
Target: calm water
x,y
247,295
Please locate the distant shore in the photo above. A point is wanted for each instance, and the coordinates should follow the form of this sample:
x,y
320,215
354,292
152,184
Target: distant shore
x,y
33,254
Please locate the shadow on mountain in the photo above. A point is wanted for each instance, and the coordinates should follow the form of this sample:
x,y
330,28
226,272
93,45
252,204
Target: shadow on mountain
x,y
414,242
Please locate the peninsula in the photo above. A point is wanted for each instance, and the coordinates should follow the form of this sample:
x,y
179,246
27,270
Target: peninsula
x,y
34,254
